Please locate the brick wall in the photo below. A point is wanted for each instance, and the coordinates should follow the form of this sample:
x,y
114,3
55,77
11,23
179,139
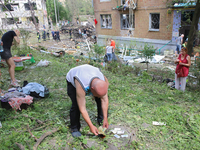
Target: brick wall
x,y
144,8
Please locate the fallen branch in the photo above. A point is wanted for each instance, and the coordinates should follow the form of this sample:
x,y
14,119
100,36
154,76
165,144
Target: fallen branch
x,y
39,128
20,146
32,118
43,137
31,133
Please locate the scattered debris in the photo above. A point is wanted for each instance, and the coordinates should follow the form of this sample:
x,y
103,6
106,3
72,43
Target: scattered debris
x,y
43,63
158,123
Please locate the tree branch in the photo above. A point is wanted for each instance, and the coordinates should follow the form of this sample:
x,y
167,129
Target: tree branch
x,y
43,137
10,13
20,146
31,133
33,15
32,118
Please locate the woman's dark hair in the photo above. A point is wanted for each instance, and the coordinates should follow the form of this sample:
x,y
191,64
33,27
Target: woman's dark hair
x,y
185,49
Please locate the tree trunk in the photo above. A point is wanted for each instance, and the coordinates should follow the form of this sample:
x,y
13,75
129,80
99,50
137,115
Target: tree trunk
x,y
33,16
193,28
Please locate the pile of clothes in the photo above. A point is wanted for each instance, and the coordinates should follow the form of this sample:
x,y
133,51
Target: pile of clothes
x,y
16,97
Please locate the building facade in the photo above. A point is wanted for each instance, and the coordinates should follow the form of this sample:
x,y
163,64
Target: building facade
x,y
142,21
21,12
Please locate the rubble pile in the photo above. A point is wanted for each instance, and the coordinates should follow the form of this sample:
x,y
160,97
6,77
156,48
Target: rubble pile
x,y
90,31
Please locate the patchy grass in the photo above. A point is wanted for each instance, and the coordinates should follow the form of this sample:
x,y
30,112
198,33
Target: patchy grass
x,y
133,102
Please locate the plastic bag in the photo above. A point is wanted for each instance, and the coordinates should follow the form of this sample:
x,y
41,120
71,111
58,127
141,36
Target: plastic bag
x,y
43,63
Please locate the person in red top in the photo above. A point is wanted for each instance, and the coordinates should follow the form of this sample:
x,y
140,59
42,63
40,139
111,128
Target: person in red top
x,y
112,43
183,62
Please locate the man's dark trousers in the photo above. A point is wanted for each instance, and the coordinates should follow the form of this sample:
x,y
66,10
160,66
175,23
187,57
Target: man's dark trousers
x,y
75,112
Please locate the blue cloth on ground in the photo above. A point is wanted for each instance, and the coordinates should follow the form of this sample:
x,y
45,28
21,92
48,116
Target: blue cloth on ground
x,y
34,87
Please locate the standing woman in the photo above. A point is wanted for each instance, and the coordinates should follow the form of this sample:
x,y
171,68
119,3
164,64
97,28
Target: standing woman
x,y
182,69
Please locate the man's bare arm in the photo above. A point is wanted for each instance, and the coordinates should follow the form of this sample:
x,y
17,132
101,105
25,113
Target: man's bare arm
x,y
104,105
80,96
17,39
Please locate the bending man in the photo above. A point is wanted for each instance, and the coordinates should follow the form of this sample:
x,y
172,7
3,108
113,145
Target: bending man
x,y
82,81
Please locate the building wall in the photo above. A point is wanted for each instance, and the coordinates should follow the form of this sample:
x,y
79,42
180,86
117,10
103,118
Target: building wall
x,y
141,33
23,14
144,8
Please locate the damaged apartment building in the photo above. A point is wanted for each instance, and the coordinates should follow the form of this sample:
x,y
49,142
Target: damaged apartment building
x,y
157,22
21,12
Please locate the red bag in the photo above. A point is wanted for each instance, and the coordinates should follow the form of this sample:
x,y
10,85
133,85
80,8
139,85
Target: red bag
x,y
180,73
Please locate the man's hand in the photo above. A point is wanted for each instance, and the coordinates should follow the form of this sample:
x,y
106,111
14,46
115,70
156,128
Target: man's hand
x,y
94,130
105,123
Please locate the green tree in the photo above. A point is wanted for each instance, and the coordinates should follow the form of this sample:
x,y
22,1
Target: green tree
x,y
147,53
99,50
63,11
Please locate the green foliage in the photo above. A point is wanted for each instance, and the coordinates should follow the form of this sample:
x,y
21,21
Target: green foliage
x,y
148,52
131,104
25,34
99,50
63,12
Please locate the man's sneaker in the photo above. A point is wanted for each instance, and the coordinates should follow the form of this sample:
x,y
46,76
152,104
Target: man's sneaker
x,y
76,134
15,84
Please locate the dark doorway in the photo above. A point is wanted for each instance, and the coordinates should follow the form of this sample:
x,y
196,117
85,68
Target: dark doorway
x,y
186,20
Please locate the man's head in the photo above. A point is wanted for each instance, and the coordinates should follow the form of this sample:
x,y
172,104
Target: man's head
x,y
17,32
99,87
182,35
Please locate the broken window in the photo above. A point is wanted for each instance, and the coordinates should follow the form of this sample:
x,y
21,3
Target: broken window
x,y
10,21
106,21
125,24
9,7
15,7
154,22
27,6
123,2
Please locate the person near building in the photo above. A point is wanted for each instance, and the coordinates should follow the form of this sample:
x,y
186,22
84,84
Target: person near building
x,y
182,69
112,43
44,35
109,51
38,36
48,35
83,81
52,32
80,33
70,33
57,35
185,43
179,42
85,33
7,40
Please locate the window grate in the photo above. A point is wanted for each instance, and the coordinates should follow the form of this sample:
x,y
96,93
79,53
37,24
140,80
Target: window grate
x,y
155,21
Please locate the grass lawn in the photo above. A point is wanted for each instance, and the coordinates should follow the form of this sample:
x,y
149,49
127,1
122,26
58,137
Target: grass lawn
x,y
134,103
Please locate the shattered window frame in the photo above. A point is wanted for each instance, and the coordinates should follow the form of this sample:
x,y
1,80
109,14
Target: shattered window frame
x,y
154,21
123,2
10,21
106,21
27,6
125,22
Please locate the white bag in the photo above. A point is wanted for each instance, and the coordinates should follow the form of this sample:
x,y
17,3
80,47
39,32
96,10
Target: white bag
x,y
43,63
